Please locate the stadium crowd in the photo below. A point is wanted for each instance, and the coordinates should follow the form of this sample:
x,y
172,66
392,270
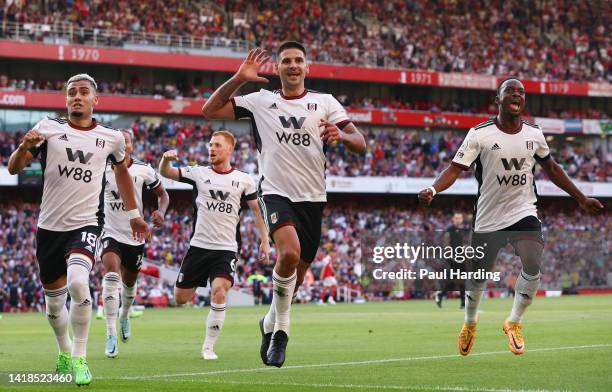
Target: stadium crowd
x,y
577,250
401,153
553,40
135,86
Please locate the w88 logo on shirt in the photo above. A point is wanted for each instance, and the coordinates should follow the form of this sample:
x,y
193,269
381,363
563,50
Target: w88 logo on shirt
x,y
221,205
76,173
295,138
512,179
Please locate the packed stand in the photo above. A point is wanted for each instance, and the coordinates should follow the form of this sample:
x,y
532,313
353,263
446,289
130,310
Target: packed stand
x,y
125,18
397,153
135,86
394,153
546,40
553,40
577,248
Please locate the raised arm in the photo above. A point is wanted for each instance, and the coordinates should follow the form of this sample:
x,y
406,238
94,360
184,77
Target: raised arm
x,y
559,177
22,156
219,106
165,166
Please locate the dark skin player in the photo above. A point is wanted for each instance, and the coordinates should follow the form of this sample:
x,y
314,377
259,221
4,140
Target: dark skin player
x,y
511,102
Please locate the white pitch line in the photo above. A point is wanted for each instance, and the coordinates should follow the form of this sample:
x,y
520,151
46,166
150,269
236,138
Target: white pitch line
x,y
362,386
336,364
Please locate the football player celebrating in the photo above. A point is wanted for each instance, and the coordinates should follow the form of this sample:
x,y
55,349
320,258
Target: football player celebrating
x,y
221,192
504,151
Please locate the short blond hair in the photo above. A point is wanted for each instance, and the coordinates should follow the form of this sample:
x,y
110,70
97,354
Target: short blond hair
x,y
227,135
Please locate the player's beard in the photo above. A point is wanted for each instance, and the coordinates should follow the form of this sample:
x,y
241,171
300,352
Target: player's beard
x,y
76,114
295,83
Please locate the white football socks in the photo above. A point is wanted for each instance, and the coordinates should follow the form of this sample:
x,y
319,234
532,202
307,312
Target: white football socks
x,y
525,289
57,314
110,299
214,324
282,295
127,299
79,267
473,296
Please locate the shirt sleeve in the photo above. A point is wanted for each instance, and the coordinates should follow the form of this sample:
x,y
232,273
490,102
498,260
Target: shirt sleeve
x,y
542,152
244,105
250,193
336,113
188,174
151,179
468,151
118,154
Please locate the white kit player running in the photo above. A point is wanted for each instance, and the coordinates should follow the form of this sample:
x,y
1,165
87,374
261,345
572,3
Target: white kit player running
x,y
73,154
221,194
504,151
292,128
121,254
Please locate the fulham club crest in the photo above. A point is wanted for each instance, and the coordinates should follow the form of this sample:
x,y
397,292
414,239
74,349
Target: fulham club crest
x,y
100,143
312,107
529,144
273,217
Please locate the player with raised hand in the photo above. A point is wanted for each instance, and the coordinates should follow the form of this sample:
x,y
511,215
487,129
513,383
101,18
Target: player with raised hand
x,y
221,192
504,151
121,254
292,128
73,154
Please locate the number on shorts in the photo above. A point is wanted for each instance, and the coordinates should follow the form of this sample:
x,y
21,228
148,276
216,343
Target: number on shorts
x,y
90,238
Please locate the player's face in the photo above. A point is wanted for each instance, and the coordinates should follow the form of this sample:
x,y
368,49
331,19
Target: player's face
x,y
219,150
457,219
292,67
81,98
512,97
128,144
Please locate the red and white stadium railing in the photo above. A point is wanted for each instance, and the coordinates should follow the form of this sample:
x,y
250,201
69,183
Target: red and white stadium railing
x,y
62,48
192,107
62,31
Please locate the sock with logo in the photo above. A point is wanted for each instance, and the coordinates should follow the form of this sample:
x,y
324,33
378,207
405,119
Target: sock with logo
x,y
214,324
79,266
525,289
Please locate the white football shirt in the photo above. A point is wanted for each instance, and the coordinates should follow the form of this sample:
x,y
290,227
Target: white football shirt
x,y
117,222
74,160
218,201
287,135
504,167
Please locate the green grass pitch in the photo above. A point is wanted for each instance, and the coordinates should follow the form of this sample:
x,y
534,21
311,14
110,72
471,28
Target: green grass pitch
x,y
389,346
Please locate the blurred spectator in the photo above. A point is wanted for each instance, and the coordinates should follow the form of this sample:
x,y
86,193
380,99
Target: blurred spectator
x,y
549,39
180,90
577,249
400,153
